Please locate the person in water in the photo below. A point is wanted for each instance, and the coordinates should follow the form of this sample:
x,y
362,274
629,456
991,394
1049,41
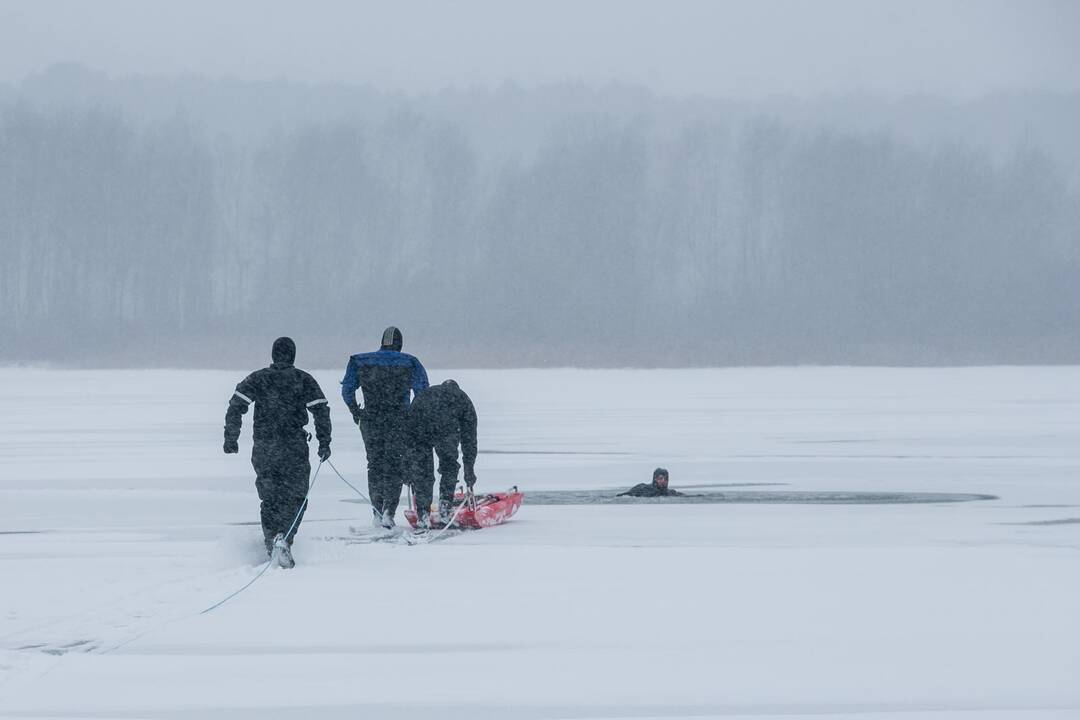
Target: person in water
x,y
657,488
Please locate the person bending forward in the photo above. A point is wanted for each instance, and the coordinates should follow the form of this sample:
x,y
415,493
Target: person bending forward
x,y
440,418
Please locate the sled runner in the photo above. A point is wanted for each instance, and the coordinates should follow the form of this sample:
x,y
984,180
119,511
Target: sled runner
x,y
480,512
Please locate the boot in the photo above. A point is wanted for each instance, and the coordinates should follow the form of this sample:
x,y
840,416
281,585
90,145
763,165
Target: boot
x,y
283,552
423,521
387,521
446,512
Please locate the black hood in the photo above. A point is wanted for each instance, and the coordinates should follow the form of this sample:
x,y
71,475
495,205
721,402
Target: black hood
x,y
391,339
284,351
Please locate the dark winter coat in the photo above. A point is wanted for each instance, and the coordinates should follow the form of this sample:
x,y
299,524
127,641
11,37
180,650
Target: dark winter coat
x,y
283,396
445,411
650,490
386,377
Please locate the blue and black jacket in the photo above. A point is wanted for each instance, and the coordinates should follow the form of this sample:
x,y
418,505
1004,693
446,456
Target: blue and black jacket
x,y
386,377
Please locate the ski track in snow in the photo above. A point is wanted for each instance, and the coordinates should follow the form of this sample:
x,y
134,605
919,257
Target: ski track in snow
x,y
122,521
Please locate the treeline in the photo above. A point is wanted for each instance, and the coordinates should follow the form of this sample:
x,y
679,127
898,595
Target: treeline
x,y
617,240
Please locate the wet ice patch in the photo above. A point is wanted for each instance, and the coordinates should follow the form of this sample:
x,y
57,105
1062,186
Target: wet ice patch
x,y
708,486
83,646
550,452
1048,523
769,497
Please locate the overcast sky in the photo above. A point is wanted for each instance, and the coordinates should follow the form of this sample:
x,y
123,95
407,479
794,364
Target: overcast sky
x,y
740,49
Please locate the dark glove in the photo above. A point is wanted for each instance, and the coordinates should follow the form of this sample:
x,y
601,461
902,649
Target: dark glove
x,y
355,415
231,446
324,453
470,478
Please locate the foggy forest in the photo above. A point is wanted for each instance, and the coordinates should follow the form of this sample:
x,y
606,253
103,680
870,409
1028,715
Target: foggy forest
x,y
540,360
177,221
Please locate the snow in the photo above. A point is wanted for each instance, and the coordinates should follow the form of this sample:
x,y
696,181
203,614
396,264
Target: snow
x,y
120,520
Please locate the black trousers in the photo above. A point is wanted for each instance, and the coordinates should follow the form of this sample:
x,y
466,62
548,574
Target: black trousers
x,y
386,448
282,473
422,468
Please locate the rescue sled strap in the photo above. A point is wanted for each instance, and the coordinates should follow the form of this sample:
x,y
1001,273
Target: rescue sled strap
x,y
350,484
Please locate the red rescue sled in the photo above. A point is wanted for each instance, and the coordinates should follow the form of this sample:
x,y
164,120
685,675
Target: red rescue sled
x,y
475,512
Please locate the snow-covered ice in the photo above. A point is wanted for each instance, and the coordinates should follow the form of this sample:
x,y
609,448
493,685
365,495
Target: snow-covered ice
x,y
120,519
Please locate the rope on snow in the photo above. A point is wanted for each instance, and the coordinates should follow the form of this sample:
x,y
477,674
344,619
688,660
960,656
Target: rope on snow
x,y
296,519
347,482
272,555
469,501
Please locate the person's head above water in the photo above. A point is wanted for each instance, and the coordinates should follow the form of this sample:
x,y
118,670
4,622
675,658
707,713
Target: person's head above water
x,y
391,339
284,350
660,478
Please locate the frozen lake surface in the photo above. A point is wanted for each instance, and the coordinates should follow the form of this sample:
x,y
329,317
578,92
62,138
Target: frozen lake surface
x,y
877,544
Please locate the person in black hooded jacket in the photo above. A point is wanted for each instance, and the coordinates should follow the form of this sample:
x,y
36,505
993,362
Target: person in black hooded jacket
x,y
283,395
657,488
439,419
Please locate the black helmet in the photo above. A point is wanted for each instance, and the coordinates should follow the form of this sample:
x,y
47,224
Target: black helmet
x,y
391,339
284,350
